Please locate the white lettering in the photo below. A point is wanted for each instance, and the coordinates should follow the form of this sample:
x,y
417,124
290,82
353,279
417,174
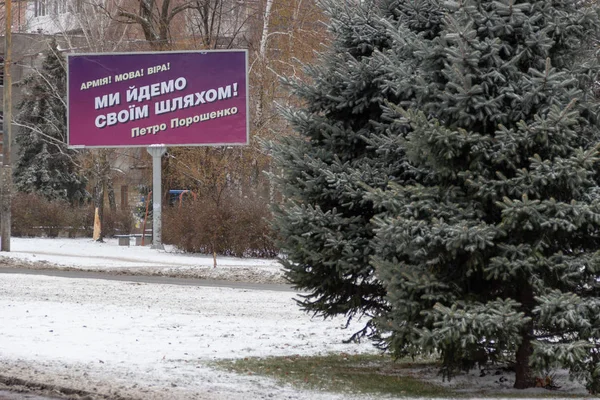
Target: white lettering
x,y
144,94
176,104
180,83
155,89
225,93
188,101
101,102
111,119
141,112
211,95
132,94
167,87
114,99
162,107
100,121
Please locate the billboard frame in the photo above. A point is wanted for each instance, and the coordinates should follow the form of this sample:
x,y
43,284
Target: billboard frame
x,y
147,53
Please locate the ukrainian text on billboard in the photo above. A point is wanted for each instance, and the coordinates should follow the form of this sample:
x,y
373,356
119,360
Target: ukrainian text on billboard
x,y
170,98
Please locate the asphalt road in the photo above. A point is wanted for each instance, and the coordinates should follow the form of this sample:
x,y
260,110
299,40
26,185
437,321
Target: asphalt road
x,y
163,280
5,395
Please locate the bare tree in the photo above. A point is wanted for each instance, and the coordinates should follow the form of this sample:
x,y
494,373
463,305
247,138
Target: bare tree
x,y
155,18
91,29
292,31
221,23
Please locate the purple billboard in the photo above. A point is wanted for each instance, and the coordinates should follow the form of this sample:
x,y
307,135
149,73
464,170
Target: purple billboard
x,y
167,98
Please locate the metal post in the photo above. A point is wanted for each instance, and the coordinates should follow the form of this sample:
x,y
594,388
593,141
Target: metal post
x,y
156,151
5,218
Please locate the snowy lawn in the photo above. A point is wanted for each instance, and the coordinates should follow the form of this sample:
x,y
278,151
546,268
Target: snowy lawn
x,y
149,341
125,340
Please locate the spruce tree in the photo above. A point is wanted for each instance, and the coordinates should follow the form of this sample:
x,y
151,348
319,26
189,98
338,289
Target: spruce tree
x,y
469,131
490,251
45,165
324,224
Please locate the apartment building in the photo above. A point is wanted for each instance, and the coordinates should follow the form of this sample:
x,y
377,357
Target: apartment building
x,y
52,16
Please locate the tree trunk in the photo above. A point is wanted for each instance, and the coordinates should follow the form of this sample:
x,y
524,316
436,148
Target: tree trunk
x,y
271,184
524,377
262,55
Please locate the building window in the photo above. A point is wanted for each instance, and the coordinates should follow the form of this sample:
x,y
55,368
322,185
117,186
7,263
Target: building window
x,y
75,6
40,8
60,6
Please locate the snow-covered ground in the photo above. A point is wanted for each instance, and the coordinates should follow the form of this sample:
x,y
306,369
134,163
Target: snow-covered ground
x,y
150,341
156,341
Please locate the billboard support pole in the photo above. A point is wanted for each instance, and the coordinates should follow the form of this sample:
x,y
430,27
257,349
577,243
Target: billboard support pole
x,y
156,151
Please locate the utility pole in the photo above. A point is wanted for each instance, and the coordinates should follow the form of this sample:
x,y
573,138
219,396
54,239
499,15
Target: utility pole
x,y
7,134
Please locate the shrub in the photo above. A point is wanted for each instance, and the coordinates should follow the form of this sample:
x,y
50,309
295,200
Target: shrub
x,y
117,222
252,232
33,215
238,227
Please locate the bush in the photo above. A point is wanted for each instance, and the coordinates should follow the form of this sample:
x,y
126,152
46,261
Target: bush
x,y
33,215
252,232
118,222
239,227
